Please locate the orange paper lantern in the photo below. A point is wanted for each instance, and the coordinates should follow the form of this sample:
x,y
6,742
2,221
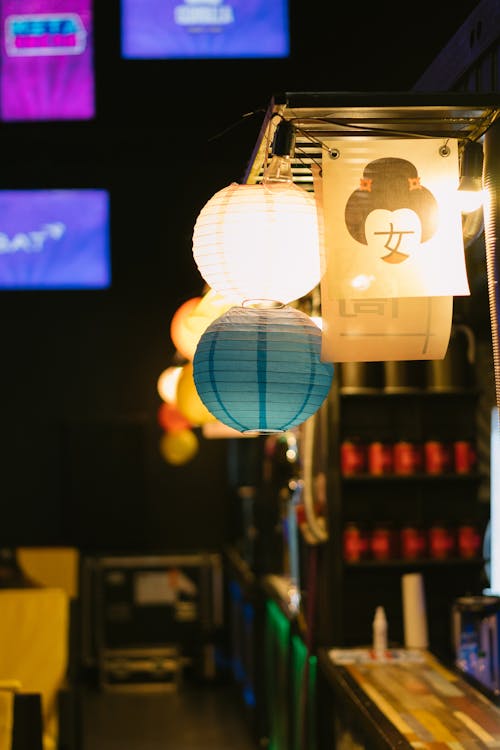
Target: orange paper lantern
x,y
171,419
181,335
197,320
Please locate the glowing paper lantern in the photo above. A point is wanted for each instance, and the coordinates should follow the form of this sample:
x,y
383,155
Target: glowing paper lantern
x,y
171,419
167,384
179,447
259,242
210,306
260,369
180,335
189,402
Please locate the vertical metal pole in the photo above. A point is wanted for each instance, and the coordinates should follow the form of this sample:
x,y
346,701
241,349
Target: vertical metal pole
x,y
491,180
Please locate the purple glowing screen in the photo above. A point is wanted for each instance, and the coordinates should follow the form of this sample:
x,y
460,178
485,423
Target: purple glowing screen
x,y
46,63
54,239
191,29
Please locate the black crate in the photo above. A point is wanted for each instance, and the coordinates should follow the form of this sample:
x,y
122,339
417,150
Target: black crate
x,y
141,668
152,605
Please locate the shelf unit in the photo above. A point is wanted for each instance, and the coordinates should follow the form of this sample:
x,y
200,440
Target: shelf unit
x,y
356,588
411,565
407,479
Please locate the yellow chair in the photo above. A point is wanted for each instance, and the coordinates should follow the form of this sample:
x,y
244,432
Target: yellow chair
x,y
52,566
34,626
59,567
8,690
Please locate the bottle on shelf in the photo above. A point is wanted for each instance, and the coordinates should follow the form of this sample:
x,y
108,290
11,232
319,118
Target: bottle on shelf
x,y
438,457
383,541
468,540
379,458
355,542
408,457
413,542
441,541
352,457
379,627
404,376
464,456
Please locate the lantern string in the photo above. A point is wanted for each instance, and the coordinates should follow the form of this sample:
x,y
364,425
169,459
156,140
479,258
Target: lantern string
x,y
364,130
315,525
308,158
235,124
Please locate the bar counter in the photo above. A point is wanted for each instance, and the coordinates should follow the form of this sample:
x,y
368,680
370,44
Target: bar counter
x,y
406,700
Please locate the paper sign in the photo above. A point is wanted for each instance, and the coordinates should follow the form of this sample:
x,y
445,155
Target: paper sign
x,y
393,226
373,330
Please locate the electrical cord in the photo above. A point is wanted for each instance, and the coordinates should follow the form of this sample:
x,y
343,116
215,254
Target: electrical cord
x,y
316,525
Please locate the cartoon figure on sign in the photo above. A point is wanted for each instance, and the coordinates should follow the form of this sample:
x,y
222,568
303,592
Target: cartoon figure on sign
x,y
391,211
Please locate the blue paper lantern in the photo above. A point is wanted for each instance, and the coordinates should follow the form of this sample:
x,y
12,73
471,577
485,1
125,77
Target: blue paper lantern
x,y
260,369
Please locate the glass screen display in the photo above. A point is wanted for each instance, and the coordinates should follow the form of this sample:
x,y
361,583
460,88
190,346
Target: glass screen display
x,y
54,239
46,63
204,29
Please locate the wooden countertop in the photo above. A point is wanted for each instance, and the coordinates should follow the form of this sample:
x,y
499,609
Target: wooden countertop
x,y
416,702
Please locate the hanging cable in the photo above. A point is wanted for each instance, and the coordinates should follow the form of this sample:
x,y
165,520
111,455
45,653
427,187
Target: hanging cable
x,y
316,525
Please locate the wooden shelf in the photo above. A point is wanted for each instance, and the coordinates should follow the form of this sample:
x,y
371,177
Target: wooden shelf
x,y
421,563
451,477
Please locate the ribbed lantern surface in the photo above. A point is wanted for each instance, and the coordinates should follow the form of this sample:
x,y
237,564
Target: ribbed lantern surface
x,y
260,369
259,242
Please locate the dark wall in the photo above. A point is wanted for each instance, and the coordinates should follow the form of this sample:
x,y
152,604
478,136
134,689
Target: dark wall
x,y
79,438
79,459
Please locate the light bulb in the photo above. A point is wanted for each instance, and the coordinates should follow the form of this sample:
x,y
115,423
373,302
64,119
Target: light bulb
x,y
279,168
471,200
470,190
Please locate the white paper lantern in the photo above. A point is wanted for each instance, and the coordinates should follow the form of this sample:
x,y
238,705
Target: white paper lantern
x,y
259,242
167,384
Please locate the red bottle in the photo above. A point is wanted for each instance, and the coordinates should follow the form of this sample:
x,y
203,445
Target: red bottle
x,y
382,542
468,541
441,542
407,457
437,457
464,456
352,458
355,543
379,458
413,542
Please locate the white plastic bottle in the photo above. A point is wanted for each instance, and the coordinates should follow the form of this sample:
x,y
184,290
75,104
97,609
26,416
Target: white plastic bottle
x,y
380,633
